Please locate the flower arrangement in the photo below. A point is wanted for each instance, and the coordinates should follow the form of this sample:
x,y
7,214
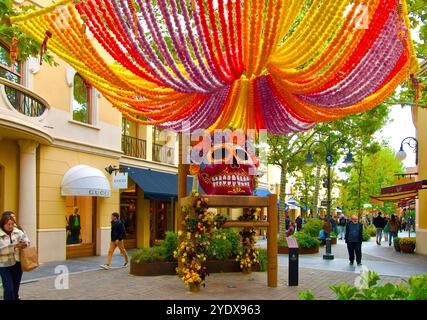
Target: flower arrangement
x,y
194,242
407,241
248,256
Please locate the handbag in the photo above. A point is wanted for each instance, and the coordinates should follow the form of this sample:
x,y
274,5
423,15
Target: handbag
x,y
29,259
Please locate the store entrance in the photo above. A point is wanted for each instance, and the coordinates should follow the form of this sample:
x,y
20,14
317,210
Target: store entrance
x,y
160,218
128,209
81,226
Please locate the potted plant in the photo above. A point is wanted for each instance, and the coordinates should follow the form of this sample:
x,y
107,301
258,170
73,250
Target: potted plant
x,y
157,260
396,242
306,244
407,244
372,230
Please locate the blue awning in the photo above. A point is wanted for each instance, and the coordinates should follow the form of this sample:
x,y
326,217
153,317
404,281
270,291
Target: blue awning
x,y
157,185
262,192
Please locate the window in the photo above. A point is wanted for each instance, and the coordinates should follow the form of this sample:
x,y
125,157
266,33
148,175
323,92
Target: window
x,y
82,106
11,73
129,128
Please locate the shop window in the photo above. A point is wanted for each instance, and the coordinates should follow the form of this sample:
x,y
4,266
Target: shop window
x,y
82,102
11,73
128,215
1,189
80,220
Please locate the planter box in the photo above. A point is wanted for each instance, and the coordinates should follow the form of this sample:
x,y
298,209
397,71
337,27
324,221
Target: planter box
x,y
168,268
407,248
159,268
397,247
285,250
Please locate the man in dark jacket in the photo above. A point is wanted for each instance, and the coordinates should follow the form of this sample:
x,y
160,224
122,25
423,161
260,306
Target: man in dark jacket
x,y
117,235
379,223
354,238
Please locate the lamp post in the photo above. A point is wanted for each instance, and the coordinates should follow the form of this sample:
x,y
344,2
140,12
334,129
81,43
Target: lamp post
x,y
329,145
413,143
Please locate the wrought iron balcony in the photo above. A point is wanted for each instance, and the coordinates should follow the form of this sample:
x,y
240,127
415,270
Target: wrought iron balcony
x,y
163,154
134,147
23,100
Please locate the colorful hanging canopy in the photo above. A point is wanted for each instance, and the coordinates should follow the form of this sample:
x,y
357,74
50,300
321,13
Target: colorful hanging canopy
x,y
280,65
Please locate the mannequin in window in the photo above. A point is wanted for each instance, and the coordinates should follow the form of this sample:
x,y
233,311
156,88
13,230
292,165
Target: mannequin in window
x,y
74,227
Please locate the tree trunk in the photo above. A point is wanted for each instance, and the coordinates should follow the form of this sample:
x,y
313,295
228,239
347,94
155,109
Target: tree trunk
x,y
360,186
316,191
283,182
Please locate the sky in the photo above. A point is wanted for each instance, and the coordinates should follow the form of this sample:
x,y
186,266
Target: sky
x,y
398,129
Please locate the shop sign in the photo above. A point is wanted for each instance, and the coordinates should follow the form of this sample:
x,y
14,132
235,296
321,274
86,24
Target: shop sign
x,y
99,193
120,180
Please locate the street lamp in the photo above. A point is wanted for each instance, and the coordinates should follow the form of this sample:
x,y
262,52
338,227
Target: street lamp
x,y
309,161
413,143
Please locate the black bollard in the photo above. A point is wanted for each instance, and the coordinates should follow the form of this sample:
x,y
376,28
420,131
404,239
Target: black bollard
x,y
293,262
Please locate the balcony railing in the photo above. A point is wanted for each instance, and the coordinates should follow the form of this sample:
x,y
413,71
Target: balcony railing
x,y
134,147
23,100
163,154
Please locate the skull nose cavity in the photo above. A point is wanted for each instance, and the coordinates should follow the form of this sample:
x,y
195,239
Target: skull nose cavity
x,y
235,164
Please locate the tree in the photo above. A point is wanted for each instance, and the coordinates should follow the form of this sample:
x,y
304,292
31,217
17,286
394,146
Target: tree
x,y
27,46
382,168
286,152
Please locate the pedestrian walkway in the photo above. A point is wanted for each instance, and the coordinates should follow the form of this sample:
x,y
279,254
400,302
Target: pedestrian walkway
x,y
87,281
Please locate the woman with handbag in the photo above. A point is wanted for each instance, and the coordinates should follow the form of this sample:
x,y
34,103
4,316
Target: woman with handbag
x,y
12,240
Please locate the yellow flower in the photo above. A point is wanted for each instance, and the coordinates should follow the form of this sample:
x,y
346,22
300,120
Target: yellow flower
x,y
224,238
183,260
179,233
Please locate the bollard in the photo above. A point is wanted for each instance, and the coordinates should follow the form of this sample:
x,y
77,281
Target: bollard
x,y
293,261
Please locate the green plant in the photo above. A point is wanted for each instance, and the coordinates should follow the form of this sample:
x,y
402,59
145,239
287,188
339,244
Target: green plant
x,y
282,243
407,241
417,287
262,256
305,240
220,247
367,289
396,240
147,255
365,234
312,227
169,245
306,295
372,230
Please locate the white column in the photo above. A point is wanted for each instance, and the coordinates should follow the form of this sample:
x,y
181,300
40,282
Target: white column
x,y
27,189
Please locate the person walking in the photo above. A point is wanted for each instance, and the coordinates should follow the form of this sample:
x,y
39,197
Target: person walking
x,y
117,235
299,222
393,228
12,240
342,222
379,223
354,238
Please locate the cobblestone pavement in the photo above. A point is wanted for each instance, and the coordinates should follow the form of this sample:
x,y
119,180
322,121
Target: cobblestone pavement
x,y
88,282
120,285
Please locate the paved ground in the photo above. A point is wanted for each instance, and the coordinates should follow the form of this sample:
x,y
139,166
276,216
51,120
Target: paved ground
x,y
87,281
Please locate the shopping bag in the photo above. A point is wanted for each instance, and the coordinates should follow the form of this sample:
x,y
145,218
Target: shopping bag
x,y
29,259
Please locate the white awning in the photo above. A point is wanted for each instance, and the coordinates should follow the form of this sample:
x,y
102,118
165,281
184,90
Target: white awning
x,y
85,181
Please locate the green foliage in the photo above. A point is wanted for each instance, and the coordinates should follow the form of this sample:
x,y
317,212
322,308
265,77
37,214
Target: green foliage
x,y
262,256
305,240
312,227
282,243
27,46
147,255
372,230
225,244
306,295
369,182
417,287
169,245
365,234
396,240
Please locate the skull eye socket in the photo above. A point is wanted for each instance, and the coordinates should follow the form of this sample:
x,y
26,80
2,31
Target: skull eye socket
x,y
220,154
242,155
